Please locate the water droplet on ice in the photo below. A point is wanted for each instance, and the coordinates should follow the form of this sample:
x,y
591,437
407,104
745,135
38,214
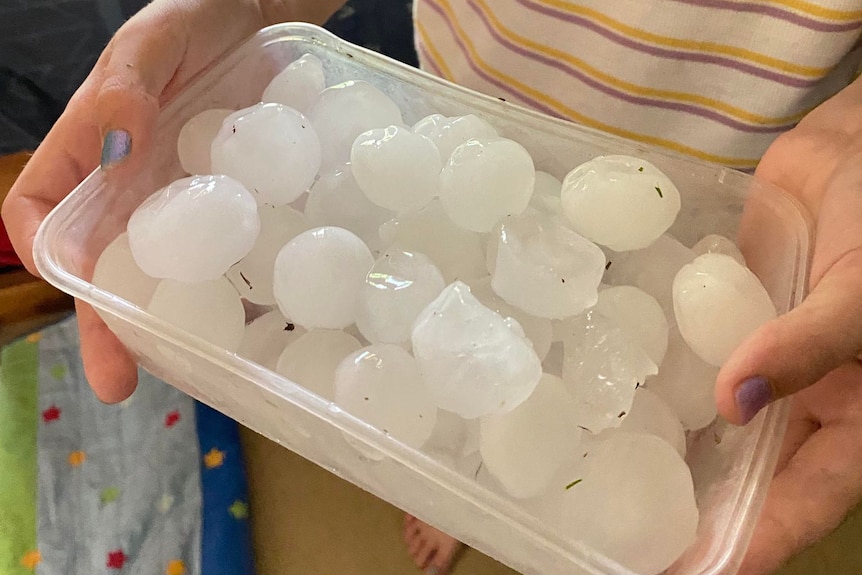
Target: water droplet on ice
x,y
210,310
639,314
312,359
718,303
525,448
196,138
318,276
381,385
194,229
252,276
486,180
344,111
298,85
266,337
473,361
396,169
399,286
545,268
620,202
272,149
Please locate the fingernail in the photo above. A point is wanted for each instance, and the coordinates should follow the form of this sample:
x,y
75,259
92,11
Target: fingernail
x,y
753,395
117,145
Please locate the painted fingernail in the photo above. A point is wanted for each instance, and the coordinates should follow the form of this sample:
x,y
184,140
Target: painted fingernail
x,y
753,395
115,148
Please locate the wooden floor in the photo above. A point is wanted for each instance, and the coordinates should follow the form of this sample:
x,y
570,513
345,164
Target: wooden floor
x,y
307,521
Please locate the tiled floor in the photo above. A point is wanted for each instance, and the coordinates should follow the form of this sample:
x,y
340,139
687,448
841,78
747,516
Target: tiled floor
x,y
308,522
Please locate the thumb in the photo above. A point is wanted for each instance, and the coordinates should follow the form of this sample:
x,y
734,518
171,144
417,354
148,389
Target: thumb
x,y
799,348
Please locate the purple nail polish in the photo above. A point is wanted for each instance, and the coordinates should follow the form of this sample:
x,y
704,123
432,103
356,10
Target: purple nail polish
x,y
753,395
117,145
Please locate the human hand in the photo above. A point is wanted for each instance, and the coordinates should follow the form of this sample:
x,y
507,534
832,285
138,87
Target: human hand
x,y
113,114
812,351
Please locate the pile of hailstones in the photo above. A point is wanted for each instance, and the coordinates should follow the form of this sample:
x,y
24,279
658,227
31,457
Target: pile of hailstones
x,y
430,281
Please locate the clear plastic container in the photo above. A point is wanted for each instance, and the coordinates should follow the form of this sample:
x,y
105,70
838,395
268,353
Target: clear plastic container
x,y
731,466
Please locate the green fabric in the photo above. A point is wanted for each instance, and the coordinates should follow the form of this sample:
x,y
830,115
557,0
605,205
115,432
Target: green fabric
x,y
19,367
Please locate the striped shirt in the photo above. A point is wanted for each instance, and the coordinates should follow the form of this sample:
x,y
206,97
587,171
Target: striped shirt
x,y
717,80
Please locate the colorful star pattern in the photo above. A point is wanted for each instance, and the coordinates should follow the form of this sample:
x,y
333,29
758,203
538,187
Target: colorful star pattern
x,y
166,503
109,495
58,371
116,559
34,338
51,414
238,509
175,567
214,458
31,559
172,418
76,458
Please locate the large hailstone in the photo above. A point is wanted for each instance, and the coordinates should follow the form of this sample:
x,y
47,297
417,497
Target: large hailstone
x,y
620,202
545,268
266,337
718,303
449,133
486,180
336,200
639,315
396,169
116,272
210,310
525,448
311,360
196,137
194,229
602,368
344,111
272,149
298,85
318,275
635,503
252,276
473,362
458,254
381,385
686,383
651,415
399,286
718,244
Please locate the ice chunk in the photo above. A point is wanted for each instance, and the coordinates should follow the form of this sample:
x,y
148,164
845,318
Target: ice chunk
x,y
272,149
602,367
266,337
381,385
486,180
525,448
396,169
458,254
312,359
209,310
651,415
196,138
116,272
545,268
336,200
399,286
639,315
537,329
318,276
194,229
621,202
344,111
473,362
449,133
298,85
252,276
635,503
651,269
717,244
546,194
686,383
718,303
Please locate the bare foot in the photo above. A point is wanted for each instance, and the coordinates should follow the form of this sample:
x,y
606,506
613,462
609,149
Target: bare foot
x,y
432,550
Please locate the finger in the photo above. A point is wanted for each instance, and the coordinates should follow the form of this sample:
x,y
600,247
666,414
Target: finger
x,y
814,492
825,331
110,369
800,427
